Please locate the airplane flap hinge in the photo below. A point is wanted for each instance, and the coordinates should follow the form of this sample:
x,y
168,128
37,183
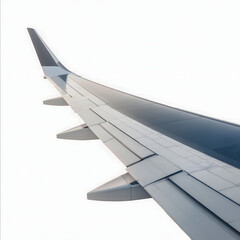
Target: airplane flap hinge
x,y
58,101
82,132
123,188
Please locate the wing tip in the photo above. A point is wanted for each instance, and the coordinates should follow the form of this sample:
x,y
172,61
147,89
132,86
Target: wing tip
x,y
29,29
45,56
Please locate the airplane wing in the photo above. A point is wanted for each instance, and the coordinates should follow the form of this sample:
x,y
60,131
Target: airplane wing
x,y
188,163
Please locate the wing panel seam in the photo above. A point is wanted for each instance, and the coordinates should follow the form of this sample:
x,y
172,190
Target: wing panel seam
x,y
207,209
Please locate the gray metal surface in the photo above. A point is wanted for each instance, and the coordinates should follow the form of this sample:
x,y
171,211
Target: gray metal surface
x,y
90,118
224,208
81,132
197,221
52,71
226,174
58,101
83,105
126,156
123,188
232,193
112,112
125,128
97,101
212,180
101,133
152,169
72,100
78,87
161,150
106,116
64,86
131,144
236,225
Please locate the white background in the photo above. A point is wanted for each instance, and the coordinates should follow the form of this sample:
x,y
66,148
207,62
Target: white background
x,y
181,53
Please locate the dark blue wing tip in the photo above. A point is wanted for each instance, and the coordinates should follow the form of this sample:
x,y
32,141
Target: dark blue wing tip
x,y
44,55
31,30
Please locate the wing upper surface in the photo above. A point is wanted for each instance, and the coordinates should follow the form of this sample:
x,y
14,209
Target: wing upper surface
x,y
166,167
200,192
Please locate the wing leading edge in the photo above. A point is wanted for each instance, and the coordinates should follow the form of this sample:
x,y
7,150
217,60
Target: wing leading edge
x,y
188,163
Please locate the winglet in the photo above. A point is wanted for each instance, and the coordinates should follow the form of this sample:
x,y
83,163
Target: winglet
x,y
45,55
